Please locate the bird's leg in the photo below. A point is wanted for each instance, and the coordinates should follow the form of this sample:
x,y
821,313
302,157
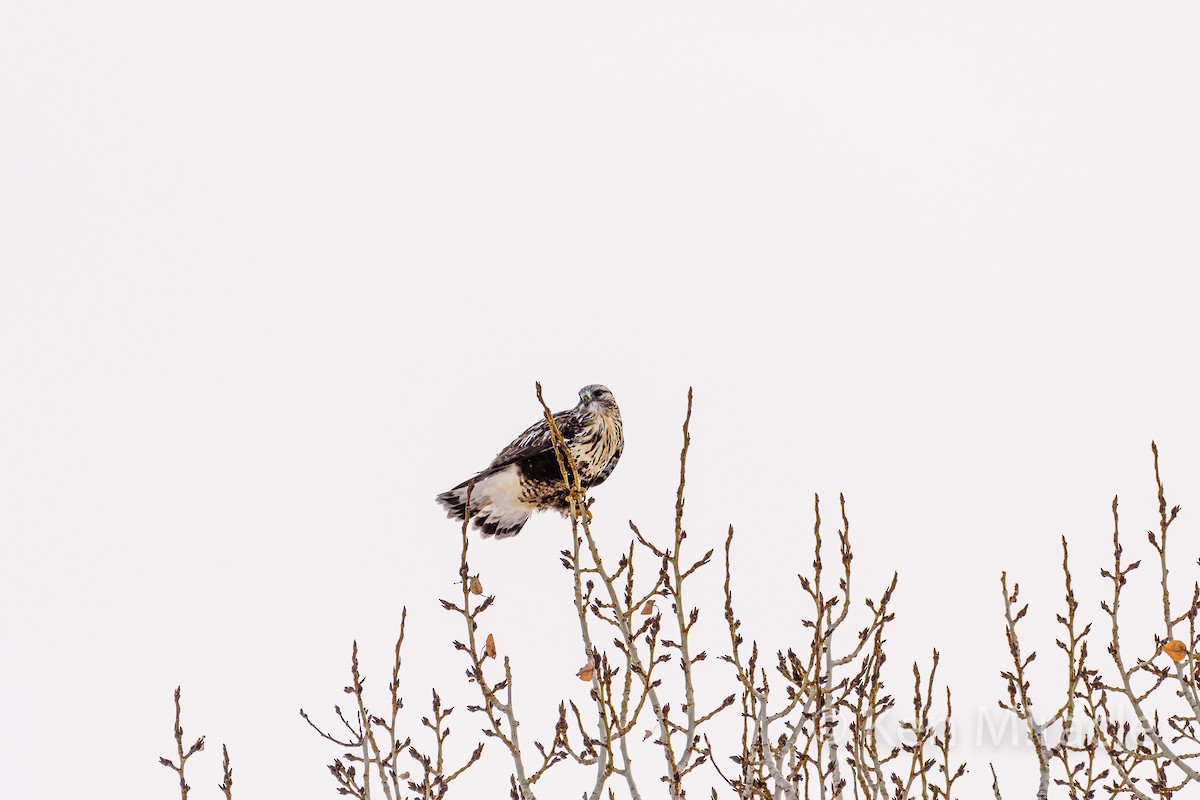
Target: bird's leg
x,y
576,498
584,504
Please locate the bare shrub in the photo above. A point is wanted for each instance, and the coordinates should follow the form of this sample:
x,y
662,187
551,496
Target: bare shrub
x,y
807,721
1125,729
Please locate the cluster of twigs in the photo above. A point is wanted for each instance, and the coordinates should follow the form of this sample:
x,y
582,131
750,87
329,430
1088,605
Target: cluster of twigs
x,y
373,745
795,747
1132,731
179,764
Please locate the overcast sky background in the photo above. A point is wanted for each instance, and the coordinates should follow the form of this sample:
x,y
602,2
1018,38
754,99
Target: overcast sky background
x,y
274,274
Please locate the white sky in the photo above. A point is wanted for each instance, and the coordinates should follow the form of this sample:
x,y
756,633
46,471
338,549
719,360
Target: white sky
x,y
274,274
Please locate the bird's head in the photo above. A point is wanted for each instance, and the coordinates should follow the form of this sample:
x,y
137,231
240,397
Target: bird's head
x,y
596,397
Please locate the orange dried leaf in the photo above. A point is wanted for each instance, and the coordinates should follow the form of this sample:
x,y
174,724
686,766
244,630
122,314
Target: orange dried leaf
x,y
585,674
403,776
489,647
1175,650
648,609
476,586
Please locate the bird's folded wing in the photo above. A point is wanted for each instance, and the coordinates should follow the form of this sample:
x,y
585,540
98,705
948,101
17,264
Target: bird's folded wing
x,y
537,439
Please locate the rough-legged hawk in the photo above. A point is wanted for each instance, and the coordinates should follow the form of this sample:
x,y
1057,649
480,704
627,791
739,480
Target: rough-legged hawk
x,y
525,476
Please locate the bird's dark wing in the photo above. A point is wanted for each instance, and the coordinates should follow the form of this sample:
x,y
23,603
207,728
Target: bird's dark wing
x,y
536,440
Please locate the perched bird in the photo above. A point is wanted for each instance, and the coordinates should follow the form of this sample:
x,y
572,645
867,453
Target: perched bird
x,y
525,477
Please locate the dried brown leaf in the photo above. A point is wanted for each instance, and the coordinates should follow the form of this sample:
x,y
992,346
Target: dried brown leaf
x,y
1175,650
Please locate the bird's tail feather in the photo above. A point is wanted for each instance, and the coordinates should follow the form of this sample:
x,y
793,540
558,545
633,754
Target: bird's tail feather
x,y
494,507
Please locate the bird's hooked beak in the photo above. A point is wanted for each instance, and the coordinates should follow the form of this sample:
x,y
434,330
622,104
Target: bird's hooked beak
x,y
586,398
